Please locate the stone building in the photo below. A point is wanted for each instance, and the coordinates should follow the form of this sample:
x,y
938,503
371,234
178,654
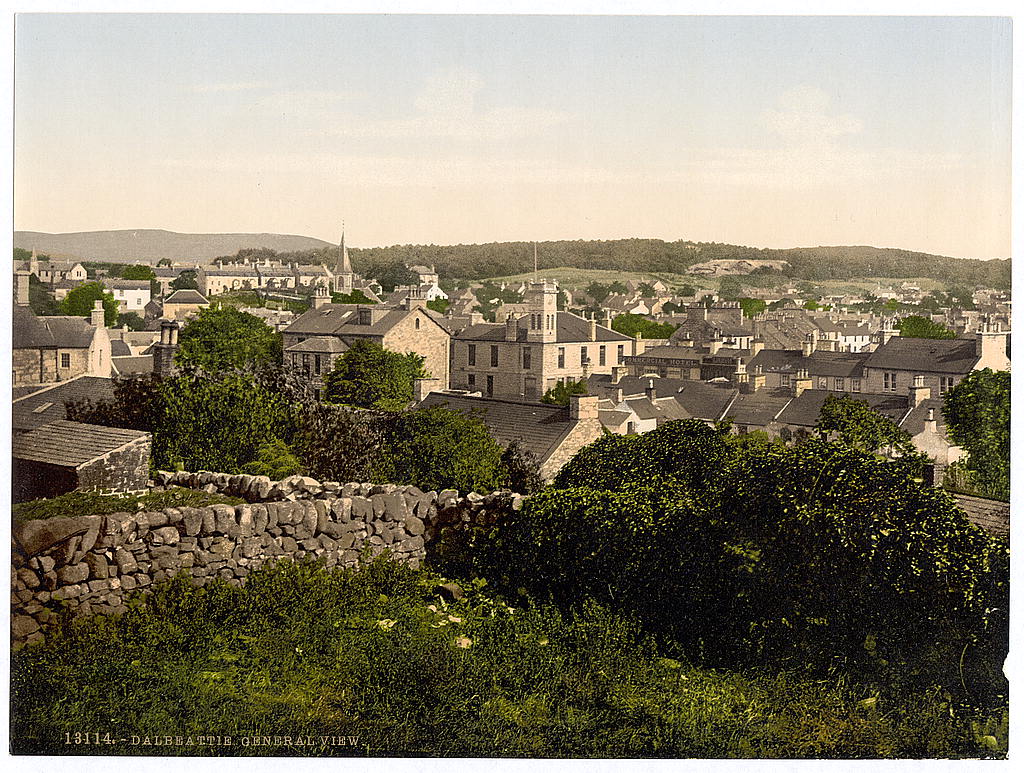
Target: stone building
x,y
63,456
182,304
524,357
51,349
411,328
552,434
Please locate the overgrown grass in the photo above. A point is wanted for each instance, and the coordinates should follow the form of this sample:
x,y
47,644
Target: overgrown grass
x,y
78,503
376,654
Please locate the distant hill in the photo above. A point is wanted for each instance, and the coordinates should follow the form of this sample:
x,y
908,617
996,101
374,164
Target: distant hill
x,y
151,245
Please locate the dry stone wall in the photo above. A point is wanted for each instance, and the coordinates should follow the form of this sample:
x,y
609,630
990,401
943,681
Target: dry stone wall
x,y
92,564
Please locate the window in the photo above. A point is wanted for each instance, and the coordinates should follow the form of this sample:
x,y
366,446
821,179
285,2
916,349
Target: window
x,y
364,316
840,384
601,356
855,382
494,356
822,382
945,384
471,380
417,323
490,386
527,358
138,301
65,360
888,382
316,364
584,356
472,354
620,350
786,380
305,364
630,428
561,356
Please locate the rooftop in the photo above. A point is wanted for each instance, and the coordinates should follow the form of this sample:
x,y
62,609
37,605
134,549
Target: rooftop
x,y
71,444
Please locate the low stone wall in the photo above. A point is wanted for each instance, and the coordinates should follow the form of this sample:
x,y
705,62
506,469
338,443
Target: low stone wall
x,y
90,564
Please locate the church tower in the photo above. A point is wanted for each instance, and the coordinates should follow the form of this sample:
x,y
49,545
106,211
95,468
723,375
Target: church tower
x,y
344,278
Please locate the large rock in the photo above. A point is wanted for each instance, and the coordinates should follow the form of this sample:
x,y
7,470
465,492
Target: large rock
x,y
394,506
36,536
414,526
165,535
362,509
125,561
73,574
22,626
98,567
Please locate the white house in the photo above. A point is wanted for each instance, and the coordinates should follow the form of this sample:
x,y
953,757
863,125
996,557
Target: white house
x,y
131,294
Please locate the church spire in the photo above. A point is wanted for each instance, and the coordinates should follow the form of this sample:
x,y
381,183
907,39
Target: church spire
x,y
344,266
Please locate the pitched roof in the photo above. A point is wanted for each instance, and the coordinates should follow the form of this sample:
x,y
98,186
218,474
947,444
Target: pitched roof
x,y
957,355
568,329
32,332
320,345
135,365
127,284
119,348
539,428
71,444
804,411
343,319
185,296
758,409
47,405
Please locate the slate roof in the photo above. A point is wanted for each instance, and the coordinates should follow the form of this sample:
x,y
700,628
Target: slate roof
x,y
185,296
119,348
320,345
642,407
758,408
47,405
127,284
568,329
32,332
702,400
820,363
71,444
671,352
957,355
343,319
803,411
133,365
914,421
539,428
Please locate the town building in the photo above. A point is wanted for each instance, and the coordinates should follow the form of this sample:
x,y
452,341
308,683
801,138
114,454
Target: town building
x,y
65,456
551,434
183,304
410,328
51,349
132,295
521,358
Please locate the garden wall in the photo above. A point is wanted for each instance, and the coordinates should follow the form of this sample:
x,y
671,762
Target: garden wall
x,y
91,564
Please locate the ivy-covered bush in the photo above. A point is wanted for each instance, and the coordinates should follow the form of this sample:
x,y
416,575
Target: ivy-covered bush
x,y
744,554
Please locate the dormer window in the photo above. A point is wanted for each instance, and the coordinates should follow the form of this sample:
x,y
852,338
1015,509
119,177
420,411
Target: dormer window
x,y
364,317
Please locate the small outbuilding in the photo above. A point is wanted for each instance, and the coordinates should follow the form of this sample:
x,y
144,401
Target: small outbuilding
x,y
66,455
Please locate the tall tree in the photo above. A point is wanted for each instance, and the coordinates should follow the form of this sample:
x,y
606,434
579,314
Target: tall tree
x,y
79,302
977,412
915,326
854,423
226,339
370,376
186,280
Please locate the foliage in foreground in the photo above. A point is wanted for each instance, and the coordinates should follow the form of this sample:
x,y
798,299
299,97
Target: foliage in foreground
x,y
750,553
977,411
375,654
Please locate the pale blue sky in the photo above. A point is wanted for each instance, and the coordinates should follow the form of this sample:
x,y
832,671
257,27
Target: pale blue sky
x,y
771,131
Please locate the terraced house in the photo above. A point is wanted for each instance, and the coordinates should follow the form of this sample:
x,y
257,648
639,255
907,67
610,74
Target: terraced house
x,y
526,355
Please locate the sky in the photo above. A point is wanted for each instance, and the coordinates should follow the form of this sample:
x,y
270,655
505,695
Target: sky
x,y
764,131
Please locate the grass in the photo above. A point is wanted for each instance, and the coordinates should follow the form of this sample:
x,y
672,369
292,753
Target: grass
x,y
78,503
376,655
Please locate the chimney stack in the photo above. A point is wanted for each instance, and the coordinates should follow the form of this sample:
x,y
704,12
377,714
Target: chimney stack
x,y
511,328
809,344
756,346
650,391
715,343
583,407
801,383
320,296
930,425
21,279
96,318
163,352
593,326
919,392
618,371
756,381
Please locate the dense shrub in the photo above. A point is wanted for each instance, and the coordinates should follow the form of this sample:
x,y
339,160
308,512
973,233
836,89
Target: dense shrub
x,y
756,553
